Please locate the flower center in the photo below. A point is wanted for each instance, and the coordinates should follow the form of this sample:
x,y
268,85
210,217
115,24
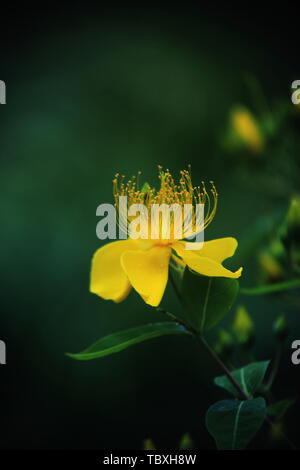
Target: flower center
x,y
164,216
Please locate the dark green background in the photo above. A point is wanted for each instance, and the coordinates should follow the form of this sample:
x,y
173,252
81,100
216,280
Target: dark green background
x,y
92,92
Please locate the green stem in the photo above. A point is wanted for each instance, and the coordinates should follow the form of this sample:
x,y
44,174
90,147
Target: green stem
x,y
212,353
203,341
175,319
274,368
224,368
205,305
214,356
271,288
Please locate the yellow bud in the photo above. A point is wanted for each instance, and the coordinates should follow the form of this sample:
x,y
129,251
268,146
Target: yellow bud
x,y
271,268
243,326
247,129
224,342
276,430
148,445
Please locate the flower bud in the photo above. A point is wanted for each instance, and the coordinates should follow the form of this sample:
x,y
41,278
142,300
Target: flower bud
x,y
186,442
224,342
243,326
277,249
276,431
148,445
270,267
293,215
280,327
246,128
289,231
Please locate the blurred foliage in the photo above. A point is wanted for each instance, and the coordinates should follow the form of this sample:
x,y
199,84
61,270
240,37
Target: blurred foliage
x,y
224,342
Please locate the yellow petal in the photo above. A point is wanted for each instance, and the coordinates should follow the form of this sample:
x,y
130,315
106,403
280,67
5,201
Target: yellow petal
x,y
147,272
108,279
204,265
218,249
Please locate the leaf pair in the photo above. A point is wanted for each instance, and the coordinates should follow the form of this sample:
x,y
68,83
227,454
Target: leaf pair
x,y
250,378
233,423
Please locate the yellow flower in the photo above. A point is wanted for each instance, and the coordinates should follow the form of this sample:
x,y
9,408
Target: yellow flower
x,y
143,264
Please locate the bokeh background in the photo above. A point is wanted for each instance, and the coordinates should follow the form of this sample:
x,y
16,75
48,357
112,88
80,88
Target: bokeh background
x,y
92,91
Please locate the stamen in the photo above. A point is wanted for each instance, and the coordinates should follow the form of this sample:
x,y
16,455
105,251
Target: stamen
x,y
169,193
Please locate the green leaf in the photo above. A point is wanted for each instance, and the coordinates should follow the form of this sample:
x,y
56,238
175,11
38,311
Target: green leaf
x,y
118,341
250,378
268,289
278,410
233,423
207,299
